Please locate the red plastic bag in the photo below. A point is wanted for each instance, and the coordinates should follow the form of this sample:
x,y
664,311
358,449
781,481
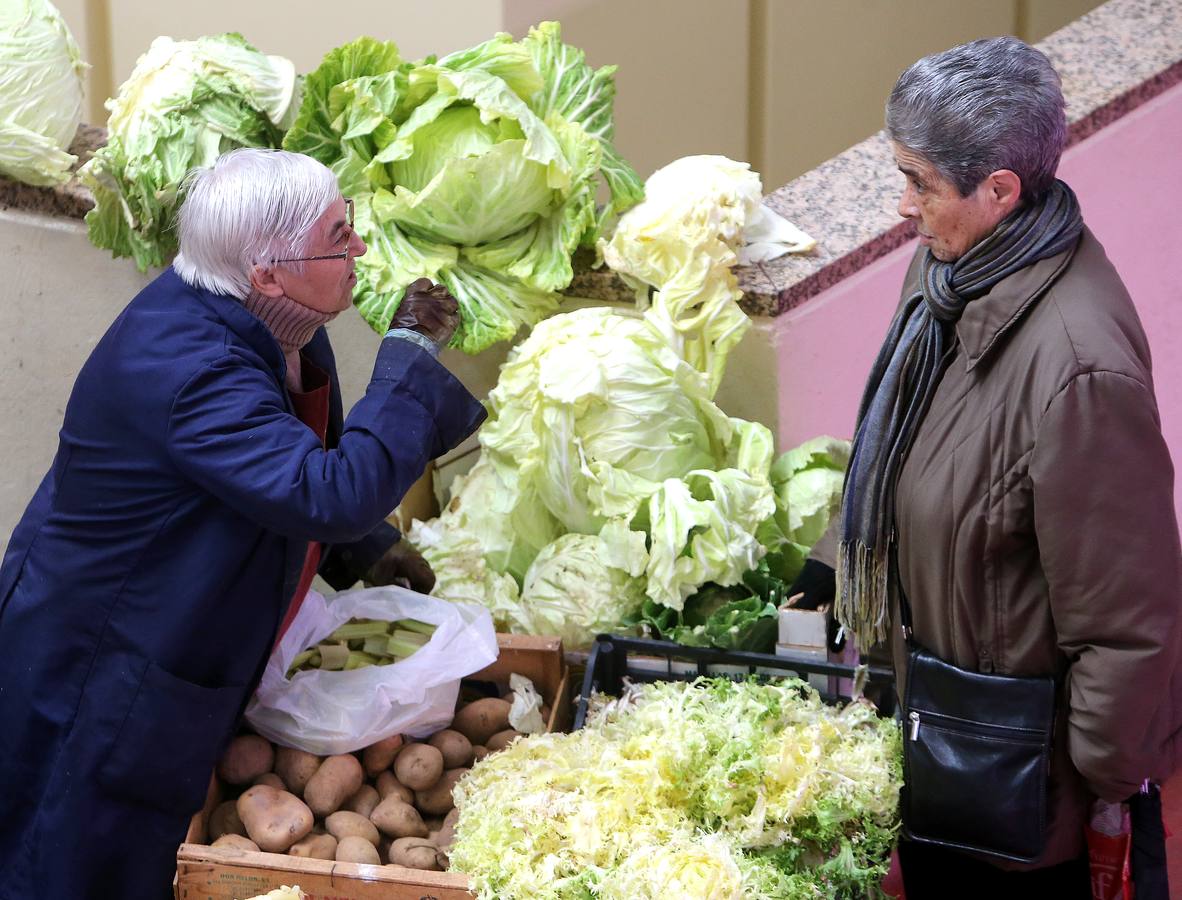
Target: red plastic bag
x,y
1110,839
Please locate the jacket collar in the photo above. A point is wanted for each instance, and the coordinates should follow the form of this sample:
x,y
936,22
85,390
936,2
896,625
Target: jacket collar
x,y
991,315
231,312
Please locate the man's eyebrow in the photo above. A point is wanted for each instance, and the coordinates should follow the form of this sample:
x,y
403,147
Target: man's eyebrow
x,y
910,172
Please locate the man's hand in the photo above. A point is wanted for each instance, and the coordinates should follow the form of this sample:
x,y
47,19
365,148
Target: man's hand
x,y
430,310
403,565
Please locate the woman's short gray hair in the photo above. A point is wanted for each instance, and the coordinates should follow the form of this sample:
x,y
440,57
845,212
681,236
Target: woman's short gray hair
x,y
991,104
249,207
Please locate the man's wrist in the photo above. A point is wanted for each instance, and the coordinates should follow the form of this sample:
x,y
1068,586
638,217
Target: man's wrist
x,y
415,337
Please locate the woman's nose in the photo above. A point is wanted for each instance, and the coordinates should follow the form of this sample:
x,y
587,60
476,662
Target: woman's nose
x,y
907,206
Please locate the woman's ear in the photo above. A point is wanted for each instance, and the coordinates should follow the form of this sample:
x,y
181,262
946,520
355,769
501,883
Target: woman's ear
x,y
1005,191
266,281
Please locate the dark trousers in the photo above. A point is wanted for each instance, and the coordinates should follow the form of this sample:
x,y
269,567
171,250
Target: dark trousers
x,y
933,873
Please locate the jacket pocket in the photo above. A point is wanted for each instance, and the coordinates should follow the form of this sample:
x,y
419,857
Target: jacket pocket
x,y
165,751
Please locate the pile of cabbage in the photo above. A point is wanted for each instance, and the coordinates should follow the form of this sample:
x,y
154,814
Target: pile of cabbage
x,y
41,73
478,170
713,790
608,477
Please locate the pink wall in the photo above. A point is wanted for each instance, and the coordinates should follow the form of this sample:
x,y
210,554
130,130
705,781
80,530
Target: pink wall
x,y
1129,181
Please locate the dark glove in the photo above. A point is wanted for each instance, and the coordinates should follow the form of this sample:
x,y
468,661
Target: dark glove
x,y
818,583
428,309
403,565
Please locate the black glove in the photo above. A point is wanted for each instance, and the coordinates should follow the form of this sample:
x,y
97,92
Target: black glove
x,y
402,565
818,583
428,309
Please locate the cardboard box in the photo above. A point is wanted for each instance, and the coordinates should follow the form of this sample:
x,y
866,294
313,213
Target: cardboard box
x,y
206,873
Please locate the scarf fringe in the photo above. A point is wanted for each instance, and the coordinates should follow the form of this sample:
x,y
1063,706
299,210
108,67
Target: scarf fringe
x,y
863,589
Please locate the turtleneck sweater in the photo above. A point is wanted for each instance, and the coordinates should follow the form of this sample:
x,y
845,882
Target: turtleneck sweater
x,y
291,324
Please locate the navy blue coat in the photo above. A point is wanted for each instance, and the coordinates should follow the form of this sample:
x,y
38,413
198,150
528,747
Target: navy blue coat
x,y
142,590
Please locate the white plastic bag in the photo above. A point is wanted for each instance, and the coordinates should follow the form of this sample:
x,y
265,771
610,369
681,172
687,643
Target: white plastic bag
x,y
339,712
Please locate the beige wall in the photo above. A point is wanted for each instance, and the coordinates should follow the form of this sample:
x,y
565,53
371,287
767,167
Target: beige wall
x,y
784,84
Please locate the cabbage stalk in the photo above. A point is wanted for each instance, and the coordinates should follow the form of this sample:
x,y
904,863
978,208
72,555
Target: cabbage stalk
x,y
41,72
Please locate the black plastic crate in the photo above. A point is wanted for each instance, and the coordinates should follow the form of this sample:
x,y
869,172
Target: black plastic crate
x,y
614,659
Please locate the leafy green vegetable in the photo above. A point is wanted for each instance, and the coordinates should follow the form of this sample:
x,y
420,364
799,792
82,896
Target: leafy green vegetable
x,y
739,617
712,789
186,103
41,72
479,170
808,482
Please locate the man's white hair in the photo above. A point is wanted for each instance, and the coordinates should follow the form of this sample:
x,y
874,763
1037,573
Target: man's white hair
x,y
249,207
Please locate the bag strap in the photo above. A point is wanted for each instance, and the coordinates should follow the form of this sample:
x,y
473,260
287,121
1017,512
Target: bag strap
x,y
904,603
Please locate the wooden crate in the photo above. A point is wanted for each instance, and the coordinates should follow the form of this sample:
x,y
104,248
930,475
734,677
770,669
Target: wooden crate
x,y
206,873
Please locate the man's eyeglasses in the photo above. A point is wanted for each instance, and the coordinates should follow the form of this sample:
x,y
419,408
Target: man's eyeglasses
x,y
348,237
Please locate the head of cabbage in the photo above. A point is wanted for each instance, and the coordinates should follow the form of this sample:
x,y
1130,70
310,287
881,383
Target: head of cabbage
x,y
41,73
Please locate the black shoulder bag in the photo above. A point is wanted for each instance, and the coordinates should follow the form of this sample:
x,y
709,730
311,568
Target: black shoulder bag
x,y
976,756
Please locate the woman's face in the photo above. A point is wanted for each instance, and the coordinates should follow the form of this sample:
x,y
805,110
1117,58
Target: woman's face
x,y
947,223
326,285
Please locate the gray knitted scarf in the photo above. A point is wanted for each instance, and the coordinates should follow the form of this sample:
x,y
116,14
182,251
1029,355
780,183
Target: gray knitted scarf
x,y
901,385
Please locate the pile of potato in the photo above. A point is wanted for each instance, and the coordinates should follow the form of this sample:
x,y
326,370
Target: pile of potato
x,y
391,802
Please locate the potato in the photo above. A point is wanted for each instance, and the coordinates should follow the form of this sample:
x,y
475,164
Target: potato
x,y
357,850
416,853
480,720
447,834
247,757
224,820
456,749
479,752
502,739
388,784
379,756
437,800
315,846
364,801
398,819
419,766
343,824
295,767
274,819
271,780
337,779
236,842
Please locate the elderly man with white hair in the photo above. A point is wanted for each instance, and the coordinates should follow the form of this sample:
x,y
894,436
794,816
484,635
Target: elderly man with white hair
x,y
204,474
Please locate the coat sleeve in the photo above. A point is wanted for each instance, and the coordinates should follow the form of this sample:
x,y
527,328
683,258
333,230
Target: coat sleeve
x,y
1108,541
230,432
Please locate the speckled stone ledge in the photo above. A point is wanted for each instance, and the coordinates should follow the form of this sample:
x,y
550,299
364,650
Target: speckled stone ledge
x,y
1112,60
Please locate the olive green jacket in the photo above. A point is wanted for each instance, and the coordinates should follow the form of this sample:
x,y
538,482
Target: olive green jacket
x,y
1036,525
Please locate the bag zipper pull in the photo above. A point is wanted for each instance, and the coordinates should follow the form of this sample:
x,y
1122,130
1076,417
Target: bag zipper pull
x,y
914,717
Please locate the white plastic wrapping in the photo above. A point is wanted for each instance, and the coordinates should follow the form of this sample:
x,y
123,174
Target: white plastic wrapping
x,y
339,712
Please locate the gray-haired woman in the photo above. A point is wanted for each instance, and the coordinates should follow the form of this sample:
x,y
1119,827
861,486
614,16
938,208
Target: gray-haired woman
x,y
1010,488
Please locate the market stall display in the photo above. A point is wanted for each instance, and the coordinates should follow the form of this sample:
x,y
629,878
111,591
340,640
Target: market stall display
x,y
710,788
608,477
389,799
